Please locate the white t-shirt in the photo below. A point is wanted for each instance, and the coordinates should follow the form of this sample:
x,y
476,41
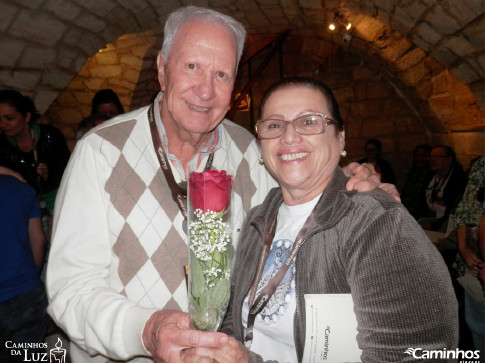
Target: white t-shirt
x,y
273,337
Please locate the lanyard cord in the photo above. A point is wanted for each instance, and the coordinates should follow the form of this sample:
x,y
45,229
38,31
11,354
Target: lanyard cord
x,y
256,306
179,195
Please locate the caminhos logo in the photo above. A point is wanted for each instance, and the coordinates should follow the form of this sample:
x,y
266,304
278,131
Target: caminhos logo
x,y
468,356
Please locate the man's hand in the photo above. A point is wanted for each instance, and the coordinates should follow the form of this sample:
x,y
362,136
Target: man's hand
x,y
232,352
364,179
168,332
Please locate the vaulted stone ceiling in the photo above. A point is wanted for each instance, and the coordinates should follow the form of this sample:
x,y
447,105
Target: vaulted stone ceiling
x,y
432,51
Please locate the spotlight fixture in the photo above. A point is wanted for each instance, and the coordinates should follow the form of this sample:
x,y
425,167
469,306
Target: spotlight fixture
x,y
338,19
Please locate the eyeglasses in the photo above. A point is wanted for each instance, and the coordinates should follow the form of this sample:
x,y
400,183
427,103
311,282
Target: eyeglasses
x,y
438,157
311,124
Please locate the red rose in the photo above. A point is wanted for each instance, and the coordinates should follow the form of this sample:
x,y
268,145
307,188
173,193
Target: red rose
x,y
210,190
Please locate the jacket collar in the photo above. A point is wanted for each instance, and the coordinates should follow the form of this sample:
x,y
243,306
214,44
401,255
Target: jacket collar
x,y
330,209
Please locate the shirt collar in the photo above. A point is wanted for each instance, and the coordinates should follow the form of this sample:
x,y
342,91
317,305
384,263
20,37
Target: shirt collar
x,y
213,144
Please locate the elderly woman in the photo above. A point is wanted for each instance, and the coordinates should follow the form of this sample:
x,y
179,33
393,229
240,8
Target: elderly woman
x,y
363,244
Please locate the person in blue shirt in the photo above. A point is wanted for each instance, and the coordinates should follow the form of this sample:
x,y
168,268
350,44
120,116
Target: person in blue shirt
x,y
23,302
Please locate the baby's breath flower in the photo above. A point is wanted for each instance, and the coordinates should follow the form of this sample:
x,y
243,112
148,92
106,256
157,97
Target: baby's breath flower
x,y
210,238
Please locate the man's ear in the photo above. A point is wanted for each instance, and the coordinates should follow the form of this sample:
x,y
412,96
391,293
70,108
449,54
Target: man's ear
x,y
161,70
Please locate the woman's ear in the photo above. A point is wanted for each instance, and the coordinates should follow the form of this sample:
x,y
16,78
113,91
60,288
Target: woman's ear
x,y
341,136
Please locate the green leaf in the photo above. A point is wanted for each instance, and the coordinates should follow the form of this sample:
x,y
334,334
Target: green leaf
x,y
197,279
220,293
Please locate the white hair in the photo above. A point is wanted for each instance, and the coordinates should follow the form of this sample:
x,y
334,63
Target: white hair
x,y
181,16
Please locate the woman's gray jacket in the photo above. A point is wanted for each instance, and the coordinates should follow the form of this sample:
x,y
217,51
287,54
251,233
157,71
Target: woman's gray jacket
x,y
368,245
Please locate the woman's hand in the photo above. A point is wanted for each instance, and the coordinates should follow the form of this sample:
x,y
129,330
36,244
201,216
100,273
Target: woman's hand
x,y
7,171
364,179
234,351
472,261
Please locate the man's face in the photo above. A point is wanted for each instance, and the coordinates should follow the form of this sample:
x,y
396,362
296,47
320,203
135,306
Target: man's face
x,y
198,78
371,152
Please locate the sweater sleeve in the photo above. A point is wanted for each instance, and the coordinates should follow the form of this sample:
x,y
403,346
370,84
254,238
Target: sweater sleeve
x,y
82,302
402,291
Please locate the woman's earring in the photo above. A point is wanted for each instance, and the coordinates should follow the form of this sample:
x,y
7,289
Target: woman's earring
x,y
261,161
343,153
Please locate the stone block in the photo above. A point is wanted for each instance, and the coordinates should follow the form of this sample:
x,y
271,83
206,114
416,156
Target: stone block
x,y
377,128
65,10
57,78
434,66
396,49
443,55
101,8
90,22
468,145
421,43
424,88
105,71
463,12
106,58
474,32
441,21
402,21
428,33
413,75
410,59
37,58
385,5
38,28
367,109
19,79
43,99
311,4
465,73
362,73
7,15
131,75
30,4
408,124
15,48
131,61
459,45
246,5
371,29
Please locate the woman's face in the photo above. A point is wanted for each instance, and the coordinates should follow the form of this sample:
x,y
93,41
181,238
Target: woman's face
x,y
12,122
108,109
302,164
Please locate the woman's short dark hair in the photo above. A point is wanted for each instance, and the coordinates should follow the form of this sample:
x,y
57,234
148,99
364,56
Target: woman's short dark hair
x,y
106,96
312,84
21,103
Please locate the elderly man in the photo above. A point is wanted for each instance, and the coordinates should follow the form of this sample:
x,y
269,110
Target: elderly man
x,y
115,277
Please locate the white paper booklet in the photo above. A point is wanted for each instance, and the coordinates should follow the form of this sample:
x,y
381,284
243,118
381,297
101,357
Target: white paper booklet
x,y
331,329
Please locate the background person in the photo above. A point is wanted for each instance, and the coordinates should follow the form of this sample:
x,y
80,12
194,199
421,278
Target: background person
x,y
445,189
372,151
106,102
468,216
413,194
38,152
363,244
128,299
23,302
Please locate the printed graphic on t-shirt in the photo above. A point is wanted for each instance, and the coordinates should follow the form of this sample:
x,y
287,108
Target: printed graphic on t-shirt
x,y
279,302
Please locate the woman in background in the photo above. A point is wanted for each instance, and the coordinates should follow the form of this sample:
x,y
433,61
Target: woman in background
x,y
39,153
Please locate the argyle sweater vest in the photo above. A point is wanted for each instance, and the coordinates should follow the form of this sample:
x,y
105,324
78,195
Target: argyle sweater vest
x,y
145,224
